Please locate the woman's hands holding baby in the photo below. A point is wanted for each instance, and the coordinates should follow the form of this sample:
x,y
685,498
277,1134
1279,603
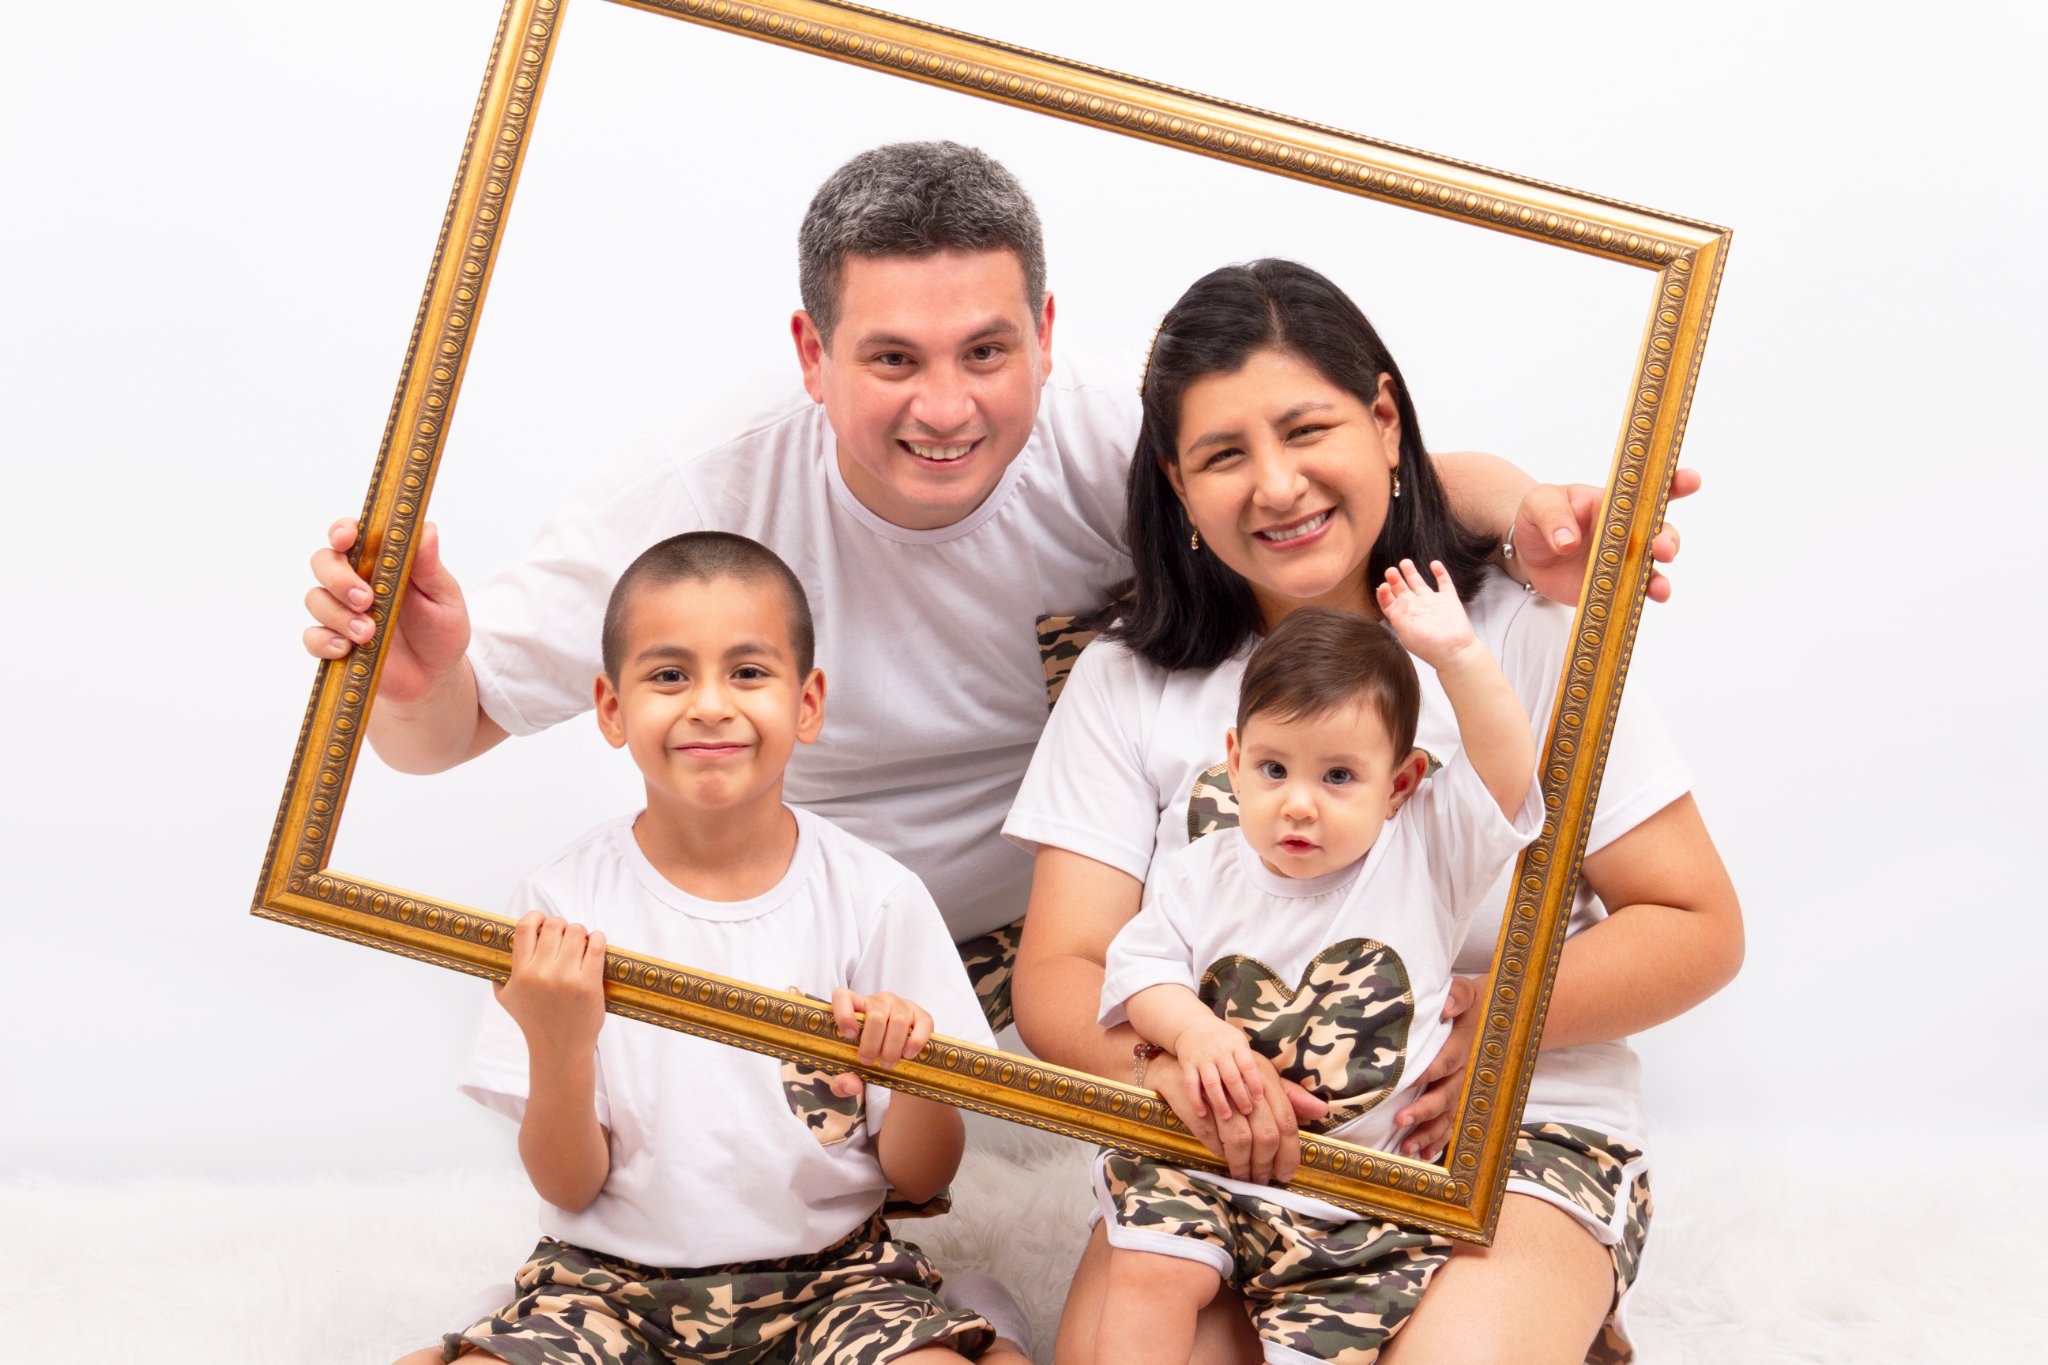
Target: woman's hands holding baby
x,y
1259,1141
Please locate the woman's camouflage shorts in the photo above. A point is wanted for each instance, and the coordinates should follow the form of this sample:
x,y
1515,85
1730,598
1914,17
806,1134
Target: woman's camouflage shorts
x,y
863,1300
1603,1183
1314,1290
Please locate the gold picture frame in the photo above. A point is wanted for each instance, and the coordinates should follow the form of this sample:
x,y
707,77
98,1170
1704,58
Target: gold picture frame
x,y
1461,1197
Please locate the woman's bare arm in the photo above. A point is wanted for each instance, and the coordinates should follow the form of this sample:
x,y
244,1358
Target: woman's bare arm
x,y
1672,937
1077,906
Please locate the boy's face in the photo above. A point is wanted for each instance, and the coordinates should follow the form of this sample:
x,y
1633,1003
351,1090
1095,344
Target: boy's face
x,y
1313,792
708,699
931,380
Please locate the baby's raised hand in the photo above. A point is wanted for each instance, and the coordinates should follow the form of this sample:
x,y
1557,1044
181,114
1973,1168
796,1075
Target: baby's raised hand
x,y
1219,1067
556,991
894,1028
1430,622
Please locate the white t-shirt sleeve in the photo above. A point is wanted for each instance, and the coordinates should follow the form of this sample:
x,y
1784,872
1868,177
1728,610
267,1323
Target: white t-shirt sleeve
x,y
1467,840
1087,790
911,954
1644,771
1156,948
535,627
496,1073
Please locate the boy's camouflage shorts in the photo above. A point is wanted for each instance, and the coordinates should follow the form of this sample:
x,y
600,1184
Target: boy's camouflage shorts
x,y
863,1300
1314,1290
1605,1184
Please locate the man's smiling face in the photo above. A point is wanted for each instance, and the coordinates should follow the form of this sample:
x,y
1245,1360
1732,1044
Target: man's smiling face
x,y
930,380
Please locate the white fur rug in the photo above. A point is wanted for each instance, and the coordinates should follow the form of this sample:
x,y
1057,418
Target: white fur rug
x,y
1801,1252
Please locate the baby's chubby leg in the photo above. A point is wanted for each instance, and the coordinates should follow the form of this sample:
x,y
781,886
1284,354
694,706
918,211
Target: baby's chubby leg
x,y
1149,1306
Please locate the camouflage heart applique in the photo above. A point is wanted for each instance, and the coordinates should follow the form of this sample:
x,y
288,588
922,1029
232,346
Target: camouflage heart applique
x,y
1342,1033
831,1119
1212,804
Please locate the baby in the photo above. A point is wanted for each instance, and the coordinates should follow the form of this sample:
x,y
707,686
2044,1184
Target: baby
x,y
1320,934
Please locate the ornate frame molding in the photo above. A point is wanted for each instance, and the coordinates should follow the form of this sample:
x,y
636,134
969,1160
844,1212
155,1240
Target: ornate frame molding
x,y
1461,1198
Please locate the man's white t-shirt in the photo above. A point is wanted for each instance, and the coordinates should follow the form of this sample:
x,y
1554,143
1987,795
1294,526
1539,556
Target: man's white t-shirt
x,y
928,639
715,1157
1131,769
1345,975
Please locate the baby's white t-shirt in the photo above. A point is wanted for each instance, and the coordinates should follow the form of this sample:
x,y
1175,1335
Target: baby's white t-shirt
x,y
1131,769
714,1155
1345,975
928,639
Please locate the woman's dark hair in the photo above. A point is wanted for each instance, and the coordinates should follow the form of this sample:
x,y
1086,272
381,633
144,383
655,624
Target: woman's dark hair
x,y
1187,609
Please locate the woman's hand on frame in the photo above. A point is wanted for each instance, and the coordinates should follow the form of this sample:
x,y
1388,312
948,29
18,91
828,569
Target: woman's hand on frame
x,y
1556,526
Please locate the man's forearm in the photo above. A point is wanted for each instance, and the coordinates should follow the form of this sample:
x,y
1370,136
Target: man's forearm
x,y
445,727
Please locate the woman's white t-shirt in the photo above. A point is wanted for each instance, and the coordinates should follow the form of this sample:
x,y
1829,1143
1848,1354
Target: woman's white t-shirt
x,y
1129,767
715,1156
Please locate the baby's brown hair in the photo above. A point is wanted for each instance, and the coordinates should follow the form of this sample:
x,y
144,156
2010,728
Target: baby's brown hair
x,y
1320,660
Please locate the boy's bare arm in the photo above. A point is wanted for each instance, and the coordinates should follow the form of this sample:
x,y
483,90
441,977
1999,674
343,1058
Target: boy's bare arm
x,y
556,996
919,1146
1493,729
921,1140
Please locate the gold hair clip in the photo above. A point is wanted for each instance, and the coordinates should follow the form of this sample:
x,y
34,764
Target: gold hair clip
x,y
1145,375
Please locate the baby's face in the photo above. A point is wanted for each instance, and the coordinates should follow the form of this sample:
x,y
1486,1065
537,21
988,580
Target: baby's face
x,y
1313,792
709,700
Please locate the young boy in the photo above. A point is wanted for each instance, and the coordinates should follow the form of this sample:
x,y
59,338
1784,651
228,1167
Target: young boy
x,y
700,1201
1319,933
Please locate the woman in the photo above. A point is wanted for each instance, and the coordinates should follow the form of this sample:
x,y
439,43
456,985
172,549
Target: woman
x,y
1280,465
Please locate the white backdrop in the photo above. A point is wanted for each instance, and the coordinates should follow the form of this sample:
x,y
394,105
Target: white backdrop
x,y
217,221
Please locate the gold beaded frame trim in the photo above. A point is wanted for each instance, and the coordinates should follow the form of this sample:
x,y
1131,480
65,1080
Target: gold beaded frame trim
x,y
1462,1197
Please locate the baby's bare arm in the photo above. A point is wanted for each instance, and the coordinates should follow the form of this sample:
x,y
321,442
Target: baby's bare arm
x,y
1493,728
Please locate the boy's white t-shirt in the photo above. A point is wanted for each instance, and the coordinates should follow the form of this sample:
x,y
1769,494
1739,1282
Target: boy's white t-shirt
x,y
712,1161
928,639
1132,761
1347,972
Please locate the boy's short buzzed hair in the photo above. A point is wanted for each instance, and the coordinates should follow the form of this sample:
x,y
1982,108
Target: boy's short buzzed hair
x,y
1320,660
914,199
699,556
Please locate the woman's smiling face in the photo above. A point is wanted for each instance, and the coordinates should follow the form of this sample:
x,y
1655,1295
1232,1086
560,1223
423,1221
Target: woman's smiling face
x,y
1286,476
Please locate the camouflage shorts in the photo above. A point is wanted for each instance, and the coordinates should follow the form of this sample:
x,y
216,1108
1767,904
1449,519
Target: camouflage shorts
x,y
990,960
1603,1183
1317,1290
864,1300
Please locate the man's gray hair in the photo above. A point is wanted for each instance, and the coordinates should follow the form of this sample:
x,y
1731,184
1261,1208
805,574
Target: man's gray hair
x,y
914,199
